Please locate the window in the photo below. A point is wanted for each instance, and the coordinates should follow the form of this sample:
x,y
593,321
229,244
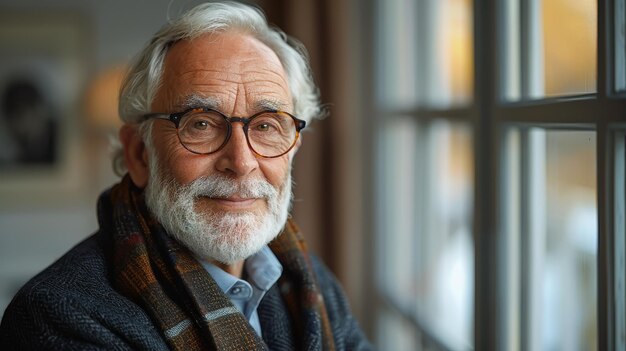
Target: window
x,y
500,174
549,242
548,48
618,242
424,244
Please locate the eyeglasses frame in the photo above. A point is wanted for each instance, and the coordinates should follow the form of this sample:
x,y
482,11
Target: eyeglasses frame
x,y
177,117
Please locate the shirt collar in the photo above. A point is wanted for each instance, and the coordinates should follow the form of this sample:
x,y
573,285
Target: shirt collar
x,y
263,269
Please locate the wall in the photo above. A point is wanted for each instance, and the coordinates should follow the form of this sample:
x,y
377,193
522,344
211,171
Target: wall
x,y
44,211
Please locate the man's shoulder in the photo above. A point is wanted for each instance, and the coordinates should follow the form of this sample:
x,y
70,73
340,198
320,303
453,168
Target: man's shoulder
x,y
72,302
330,287
346,331
80,274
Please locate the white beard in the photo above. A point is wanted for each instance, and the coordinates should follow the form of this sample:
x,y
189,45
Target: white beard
x,y
218,235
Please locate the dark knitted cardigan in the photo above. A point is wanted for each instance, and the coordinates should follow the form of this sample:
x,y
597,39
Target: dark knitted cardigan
x,y
72,305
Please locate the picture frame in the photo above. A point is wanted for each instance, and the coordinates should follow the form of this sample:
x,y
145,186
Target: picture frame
x,y
43,67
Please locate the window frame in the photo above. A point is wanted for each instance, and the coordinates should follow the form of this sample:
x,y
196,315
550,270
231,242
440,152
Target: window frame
x,y
424,115
490,117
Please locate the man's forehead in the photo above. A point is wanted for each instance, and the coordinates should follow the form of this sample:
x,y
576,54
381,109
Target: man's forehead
x,y
221,47
242,69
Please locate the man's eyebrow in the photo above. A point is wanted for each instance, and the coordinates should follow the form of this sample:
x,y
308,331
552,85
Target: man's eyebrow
x,y
267,104
192,101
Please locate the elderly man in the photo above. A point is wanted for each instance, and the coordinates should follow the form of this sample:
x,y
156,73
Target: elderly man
x,y
195,248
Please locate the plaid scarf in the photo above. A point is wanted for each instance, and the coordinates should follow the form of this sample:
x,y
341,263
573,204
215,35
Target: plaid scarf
x,y
183,300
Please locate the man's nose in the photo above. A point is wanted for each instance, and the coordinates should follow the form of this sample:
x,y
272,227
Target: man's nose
x,y
236,157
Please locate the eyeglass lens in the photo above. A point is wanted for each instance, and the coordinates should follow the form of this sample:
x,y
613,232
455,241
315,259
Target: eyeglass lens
x,y
269,134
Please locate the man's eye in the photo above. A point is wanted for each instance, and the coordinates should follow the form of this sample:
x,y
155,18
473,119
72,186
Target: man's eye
x,y
200,125
263,127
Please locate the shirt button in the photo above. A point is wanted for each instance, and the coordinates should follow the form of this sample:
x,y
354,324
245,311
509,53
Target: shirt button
x,y
236,290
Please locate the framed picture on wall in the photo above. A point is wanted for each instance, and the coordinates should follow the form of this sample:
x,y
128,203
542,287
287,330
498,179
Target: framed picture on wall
x,y
43,66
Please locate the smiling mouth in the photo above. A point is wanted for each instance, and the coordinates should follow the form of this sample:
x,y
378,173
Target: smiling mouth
x,y
233,202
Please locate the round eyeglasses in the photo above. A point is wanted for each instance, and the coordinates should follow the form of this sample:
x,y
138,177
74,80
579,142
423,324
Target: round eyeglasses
x,y
270,133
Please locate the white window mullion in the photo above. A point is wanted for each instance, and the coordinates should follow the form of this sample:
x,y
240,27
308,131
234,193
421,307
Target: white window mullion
x,y
619,241
534,237
509,289
619,43
533,50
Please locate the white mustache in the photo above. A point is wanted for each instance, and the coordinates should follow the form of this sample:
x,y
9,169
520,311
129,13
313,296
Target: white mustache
x,y
217,186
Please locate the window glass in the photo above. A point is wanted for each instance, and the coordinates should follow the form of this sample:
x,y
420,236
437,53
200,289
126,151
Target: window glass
x,y
569,300
425,53
548,48
397,189
551,220
395,333
569,46
449,47
397,51
425,242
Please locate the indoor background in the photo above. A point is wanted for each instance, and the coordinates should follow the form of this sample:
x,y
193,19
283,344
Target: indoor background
x,y
76,53
467,188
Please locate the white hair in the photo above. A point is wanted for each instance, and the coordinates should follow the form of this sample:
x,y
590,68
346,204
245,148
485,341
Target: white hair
x,y
144,77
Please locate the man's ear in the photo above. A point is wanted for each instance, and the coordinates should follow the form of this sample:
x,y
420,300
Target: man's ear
x,y
292,153
298,143
135,155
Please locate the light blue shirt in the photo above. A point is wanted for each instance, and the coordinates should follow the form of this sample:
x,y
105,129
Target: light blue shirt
x,y
263,271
